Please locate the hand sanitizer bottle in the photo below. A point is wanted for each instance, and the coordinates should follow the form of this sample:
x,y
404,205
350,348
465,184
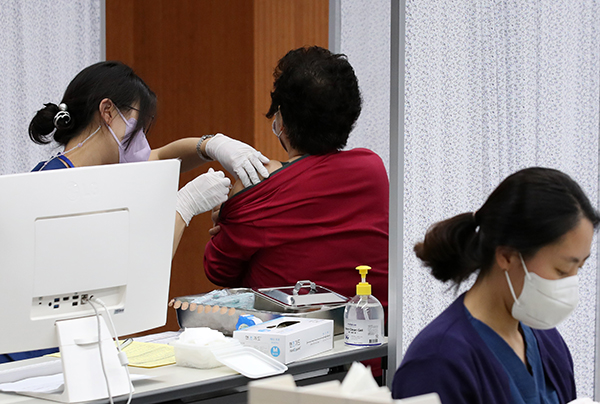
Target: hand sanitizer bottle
x,y
363,315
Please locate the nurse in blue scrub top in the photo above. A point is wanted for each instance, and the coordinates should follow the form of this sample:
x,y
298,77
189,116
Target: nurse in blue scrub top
x,y
497,343
104,117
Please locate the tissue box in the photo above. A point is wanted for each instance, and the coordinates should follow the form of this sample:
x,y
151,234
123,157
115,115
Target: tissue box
x,y
288,339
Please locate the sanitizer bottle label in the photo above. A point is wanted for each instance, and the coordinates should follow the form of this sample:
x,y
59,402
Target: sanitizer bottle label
x,y
363,332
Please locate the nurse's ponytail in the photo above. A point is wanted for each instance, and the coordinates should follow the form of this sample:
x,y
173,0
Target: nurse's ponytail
x,y
451,248
530,209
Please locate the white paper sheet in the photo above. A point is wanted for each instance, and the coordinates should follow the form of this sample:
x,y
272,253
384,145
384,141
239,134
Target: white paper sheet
x,y
46,384
40,384
50,367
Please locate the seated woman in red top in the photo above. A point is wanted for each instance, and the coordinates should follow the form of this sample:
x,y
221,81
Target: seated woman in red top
x,y
321,213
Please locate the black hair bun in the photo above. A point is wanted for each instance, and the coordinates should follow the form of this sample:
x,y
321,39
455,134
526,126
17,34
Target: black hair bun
x,y
42,124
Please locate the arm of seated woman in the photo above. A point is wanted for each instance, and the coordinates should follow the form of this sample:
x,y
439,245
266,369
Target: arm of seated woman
x,y
271,166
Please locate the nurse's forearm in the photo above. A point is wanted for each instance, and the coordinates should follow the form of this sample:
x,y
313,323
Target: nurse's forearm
x,y
183,149
179,229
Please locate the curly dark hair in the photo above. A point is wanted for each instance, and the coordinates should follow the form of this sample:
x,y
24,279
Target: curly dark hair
x,y
317,95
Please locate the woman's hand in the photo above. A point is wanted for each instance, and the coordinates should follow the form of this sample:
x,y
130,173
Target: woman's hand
x,y
238,158
202,194
213,231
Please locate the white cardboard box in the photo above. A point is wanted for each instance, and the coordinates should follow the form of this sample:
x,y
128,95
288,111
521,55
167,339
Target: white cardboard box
x,y
282,389
288,339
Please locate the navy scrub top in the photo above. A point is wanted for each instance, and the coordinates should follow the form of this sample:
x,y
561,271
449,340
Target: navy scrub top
x,y
525,387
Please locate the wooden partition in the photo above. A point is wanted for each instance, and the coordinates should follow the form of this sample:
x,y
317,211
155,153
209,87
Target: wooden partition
x,y
210,62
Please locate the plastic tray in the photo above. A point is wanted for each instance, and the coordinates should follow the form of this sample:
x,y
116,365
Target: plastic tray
x,y
248,361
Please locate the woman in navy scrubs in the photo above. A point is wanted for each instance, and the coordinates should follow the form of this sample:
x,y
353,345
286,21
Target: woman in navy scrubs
x,y
497,343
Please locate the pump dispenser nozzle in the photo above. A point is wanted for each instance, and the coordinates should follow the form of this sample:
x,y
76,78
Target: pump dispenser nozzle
x,y
363,288
363,315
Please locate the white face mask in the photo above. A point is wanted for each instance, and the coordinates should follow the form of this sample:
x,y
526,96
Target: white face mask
x,y
544,303
273,128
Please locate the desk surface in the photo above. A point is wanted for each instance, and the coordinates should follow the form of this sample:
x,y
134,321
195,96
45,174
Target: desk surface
x,y
175,382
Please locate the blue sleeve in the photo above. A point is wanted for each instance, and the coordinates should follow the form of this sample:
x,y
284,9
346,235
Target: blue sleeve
x,y
56,163
558,363
17,356
454,384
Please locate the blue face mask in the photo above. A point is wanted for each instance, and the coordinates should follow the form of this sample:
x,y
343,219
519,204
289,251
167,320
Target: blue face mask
x,y
138,148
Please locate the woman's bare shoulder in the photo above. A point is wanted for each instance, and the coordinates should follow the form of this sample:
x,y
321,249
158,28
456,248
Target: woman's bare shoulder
x,y
272,165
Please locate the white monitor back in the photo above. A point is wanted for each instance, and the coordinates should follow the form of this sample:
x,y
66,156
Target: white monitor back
x,y
65,235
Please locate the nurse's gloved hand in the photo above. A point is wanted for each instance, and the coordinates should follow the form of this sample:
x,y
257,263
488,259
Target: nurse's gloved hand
x,y
584,400
202,194
238,158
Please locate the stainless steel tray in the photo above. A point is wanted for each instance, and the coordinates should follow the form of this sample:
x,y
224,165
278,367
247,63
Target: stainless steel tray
x,y
224,319
303,296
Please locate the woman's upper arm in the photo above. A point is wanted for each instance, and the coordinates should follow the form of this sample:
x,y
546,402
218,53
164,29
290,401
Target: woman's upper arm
x,y
227,255
272,165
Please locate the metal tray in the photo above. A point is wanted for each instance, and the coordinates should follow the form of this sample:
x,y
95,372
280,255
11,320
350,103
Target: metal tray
x,y
304,296
224,319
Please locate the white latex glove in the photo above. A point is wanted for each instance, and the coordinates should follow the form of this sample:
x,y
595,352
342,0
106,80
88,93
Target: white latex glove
x,y
202,194
238,158
585,400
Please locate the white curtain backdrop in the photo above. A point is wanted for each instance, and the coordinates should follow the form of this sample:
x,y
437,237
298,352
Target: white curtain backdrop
x,y
365,39
43,45
491,87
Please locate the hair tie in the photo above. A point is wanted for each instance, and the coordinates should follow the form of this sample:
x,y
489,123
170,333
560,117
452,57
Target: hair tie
x,y
477,227
62,114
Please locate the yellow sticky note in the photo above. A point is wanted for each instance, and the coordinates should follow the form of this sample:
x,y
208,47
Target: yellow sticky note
x,y
149,355
144,354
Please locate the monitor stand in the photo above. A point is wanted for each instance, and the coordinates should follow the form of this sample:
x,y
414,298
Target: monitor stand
x,y
82,369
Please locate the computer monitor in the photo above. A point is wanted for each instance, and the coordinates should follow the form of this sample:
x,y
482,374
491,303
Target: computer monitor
x,y
69,235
